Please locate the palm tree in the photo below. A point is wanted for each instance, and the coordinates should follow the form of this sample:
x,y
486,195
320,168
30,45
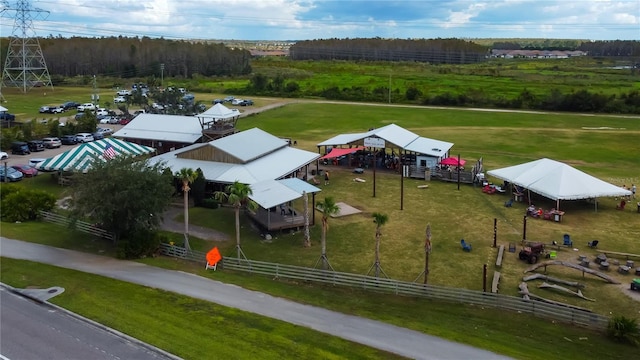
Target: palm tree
x,y
307,236
237,195
380,220
328,208
187,176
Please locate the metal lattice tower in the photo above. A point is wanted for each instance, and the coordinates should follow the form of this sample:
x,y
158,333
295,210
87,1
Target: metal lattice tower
x,y
24,65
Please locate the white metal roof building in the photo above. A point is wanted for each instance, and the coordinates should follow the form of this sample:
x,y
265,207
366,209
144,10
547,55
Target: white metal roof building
x,y
156,127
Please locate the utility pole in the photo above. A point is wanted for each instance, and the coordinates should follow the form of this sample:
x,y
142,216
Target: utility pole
x,y
95,97
24,64
162,75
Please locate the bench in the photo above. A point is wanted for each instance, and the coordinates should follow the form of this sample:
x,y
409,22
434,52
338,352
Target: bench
x,y
496,281
627,255
500,255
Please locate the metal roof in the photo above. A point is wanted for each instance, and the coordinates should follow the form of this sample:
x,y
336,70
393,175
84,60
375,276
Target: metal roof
x,y
398,136
249,144
270,193
269,166
82,156
176,128
299,185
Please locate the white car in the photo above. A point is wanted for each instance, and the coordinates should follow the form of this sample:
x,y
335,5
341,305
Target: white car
x,y
102,112
84,137
124,92
236,101
57,110
86,106
119,99
157,106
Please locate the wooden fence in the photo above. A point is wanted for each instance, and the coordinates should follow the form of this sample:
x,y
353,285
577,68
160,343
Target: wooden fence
x,y
537,308
81,226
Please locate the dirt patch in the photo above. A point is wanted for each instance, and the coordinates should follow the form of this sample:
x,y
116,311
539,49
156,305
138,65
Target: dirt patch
x,y
625,288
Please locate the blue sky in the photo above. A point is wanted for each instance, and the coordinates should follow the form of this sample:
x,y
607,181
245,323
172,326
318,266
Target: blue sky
x,y
321,19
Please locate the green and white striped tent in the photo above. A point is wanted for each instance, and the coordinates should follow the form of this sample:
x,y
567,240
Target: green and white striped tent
x,y
82,156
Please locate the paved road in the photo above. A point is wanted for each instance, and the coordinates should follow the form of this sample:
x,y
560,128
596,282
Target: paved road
x,y
32,330
404,342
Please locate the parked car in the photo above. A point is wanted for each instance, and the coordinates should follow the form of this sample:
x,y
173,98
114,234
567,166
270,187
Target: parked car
x,y
56,110
35,145
6,116
104,131
124,121
236,101
44,109
84,137
86,106
119,99
68,140
12,174
246,102
217,101
26,170
70,105
51,142
102,112
124,92
20,148
97,135
228,99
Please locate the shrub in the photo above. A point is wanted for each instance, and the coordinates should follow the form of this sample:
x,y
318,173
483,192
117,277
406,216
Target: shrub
x,y
623,329
210,204
139,244
23,205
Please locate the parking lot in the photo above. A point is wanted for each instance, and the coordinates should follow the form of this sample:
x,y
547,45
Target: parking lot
x,y
47,153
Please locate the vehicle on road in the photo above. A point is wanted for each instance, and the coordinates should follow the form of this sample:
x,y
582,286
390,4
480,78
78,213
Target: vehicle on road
x,y
68,140
12,174
51,142
84,137
20,148
26,170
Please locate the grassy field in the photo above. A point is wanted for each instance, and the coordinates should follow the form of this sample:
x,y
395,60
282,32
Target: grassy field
x,y
501,139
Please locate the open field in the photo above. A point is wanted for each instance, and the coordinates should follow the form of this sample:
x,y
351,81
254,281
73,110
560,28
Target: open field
x,y
502,139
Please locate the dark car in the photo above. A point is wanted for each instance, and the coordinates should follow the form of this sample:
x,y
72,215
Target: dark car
x,y
70,105
36,145
6,116
68,140
97,135
20,148
246,103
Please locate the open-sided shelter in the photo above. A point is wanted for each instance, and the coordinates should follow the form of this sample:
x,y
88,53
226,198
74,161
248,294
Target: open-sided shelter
x,y
218,121
557,181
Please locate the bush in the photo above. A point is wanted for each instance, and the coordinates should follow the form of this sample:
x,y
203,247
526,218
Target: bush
x,y
210,204
623,329
23,205
140,244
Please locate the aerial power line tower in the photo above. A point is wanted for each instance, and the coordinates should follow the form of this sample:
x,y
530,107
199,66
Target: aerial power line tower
x,y
24,66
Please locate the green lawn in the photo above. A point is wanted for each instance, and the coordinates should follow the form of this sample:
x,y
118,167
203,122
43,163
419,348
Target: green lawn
x,y
501,139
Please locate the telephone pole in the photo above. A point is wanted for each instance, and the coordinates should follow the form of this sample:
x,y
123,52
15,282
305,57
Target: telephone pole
x,y
24,65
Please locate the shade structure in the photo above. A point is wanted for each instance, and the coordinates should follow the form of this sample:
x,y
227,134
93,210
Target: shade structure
x,y
337,152
82,156
2,108
557,181
453,161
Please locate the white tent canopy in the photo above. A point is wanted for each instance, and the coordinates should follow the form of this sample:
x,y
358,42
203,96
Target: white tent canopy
x,y
2,108
557,181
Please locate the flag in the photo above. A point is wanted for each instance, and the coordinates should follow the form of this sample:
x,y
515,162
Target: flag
x,y
109,152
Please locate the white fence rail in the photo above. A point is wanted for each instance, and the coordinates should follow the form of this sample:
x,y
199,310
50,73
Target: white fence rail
x,y
81,226
370,283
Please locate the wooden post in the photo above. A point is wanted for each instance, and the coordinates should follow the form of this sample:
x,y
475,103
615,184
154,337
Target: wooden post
x,y
458,171
374,172
401,182
495,231
484,278
524,228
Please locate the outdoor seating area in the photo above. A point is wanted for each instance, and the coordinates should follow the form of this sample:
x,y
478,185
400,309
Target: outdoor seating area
x,y
539,213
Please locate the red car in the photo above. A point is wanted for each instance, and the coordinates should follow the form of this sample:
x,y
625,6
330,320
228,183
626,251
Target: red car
x,y
26,170
124,121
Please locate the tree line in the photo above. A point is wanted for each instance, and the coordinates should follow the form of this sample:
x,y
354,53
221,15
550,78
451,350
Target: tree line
x,y
437,51
131,57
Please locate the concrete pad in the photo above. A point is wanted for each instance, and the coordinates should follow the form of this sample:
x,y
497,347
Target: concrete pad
x,y
344,210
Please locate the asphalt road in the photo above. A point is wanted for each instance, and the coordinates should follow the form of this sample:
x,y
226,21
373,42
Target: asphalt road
x,y
31,330
376,334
